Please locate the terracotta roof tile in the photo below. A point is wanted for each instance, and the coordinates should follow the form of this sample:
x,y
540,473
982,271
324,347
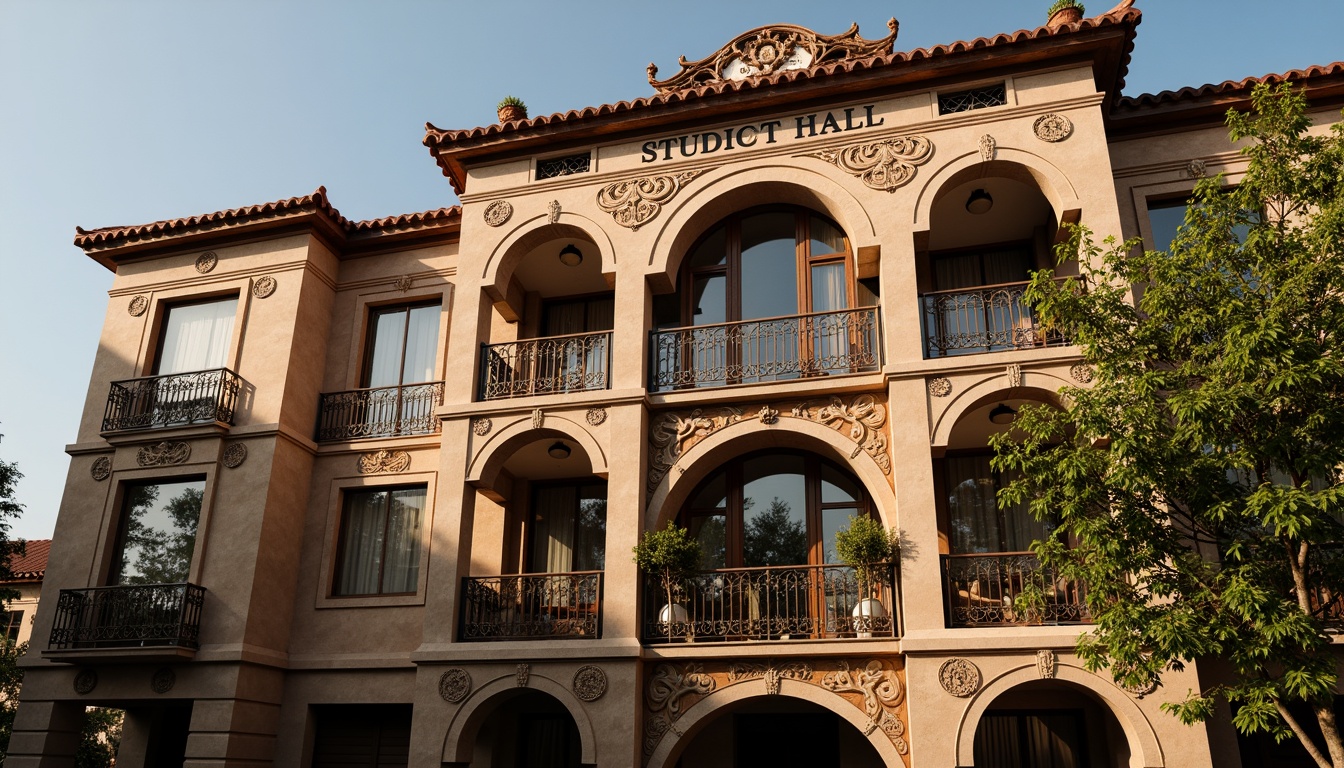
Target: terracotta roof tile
x,y
1226,88
437,137
32,565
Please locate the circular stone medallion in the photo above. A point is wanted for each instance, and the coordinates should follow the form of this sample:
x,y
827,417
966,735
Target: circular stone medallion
x,y
163,680
101,469
590,683
264,286
235,455
959,677
206,262
137,306
86,681
498,212
454,685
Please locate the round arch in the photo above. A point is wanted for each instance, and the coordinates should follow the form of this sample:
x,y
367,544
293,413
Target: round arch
x,y
483,470
693,720
459,743
751,435
991,387
1144,749
533,232
715,200
1017,164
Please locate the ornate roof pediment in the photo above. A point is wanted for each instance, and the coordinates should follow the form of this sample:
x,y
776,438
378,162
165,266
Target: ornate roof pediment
x,y
770,49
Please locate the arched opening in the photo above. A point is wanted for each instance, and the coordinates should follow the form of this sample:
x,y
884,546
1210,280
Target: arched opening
x,y
538,544
767,294
1049,723
557,313
524,728
991,227
766,523
991,577
751,734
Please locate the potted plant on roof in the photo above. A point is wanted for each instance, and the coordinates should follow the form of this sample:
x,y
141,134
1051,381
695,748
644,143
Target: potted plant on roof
x,y
673,556
1064,12
511,108
869,549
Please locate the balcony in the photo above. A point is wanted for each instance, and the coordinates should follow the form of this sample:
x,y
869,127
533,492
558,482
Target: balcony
x,y
532,606
379,412
546,366
1009,589
172,400
992,318
796,602
166,617
773,349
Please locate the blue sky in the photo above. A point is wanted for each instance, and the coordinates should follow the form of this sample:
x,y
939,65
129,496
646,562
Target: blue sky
x,y
129,112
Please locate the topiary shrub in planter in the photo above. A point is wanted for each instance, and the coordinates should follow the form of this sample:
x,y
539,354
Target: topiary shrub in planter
x,y
864,546
511,108
672,555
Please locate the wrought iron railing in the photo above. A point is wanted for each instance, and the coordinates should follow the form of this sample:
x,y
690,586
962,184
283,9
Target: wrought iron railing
x,y
172,400
128,616
992,318
1009,588
793,602
379,412
550,365
531,606
748,351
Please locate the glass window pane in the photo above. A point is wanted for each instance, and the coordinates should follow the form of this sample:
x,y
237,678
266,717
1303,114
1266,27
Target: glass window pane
x,y
713,495
1164,219
159,532
388,331
826,237
972,513
837,486
709,300
590,538
422,336
774,511
401,561
769,266
712,251
712,533
196,337
833,521
828,287
363,527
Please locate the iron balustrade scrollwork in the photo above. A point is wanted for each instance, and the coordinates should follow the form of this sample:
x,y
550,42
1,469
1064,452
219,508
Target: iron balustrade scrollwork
x,y
128,616
791,602
531,606
172,400
379,412
1009,589
988,319
770,349
551,365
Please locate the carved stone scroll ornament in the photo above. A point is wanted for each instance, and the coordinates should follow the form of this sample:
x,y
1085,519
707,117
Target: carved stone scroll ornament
x,y
162,455
455,685
885,165
637,202
497,213
265,286
940,386
553,212
670,685
481,426
768,415
595,416
206,262
137,306
988,148
101,469
775,48
1052,127
377,462
959,677
673,434
1014,374
773,675
538,418
234,455
864,419
882,693
1046,664
590,683
163,680
522,675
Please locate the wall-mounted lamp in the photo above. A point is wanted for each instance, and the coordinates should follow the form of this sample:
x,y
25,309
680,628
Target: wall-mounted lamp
x,y
979,202
571,256
1002,414
558,450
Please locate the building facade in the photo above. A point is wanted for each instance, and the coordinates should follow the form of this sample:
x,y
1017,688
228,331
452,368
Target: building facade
x,y
364,493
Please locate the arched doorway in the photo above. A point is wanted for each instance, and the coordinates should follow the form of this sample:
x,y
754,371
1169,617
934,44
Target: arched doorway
x,y
776,731
1049,724
525,728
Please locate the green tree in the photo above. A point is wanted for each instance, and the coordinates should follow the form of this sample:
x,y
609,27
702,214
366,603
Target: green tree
x,y
10,509
11,677
773,537
164,554
1198,479
100,738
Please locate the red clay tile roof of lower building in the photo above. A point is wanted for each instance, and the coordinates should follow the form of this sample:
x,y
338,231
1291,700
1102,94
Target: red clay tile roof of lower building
x,y
1227,87
32,565
315,204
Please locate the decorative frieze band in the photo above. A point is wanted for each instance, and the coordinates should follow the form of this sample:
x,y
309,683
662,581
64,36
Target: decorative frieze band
x,y
378,462
163,454
885,165
637,202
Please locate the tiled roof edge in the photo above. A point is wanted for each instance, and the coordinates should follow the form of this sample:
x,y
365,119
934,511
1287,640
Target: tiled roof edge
x,y
1227,87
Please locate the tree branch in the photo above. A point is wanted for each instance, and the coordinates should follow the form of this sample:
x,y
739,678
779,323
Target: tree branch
x,y
1312,749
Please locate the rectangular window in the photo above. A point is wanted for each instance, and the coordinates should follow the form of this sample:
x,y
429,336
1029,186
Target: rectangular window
x,y
569,528
1164,218
379,551
403,345
12,620
976,98
978,524
196,337
563,166
361,735
158,532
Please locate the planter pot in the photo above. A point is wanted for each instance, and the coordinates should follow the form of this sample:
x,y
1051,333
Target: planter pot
x,y
674,613
511,113
1064,16
864,612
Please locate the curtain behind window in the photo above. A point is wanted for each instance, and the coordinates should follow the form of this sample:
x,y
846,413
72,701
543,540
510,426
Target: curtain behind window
x,y
380,542
977,524
196,337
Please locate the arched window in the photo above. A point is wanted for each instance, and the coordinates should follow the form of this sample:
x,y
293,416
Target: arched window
x,y
767,294
775,508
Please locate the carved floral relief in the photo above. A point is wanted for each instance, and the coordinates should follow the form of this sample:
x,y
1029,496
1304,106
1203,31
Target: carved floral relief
x,y
885,165
636,202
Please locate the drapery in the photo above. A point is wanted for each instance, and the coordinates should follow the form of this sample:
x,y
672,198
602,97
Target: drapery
x,y
196,337
977,523
404,346
380,542
553,529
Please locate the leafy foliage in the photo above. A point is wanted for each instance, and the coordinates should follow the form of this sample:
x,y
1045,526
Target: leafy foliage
x,y
774,537
671,553
1060,5
1198,478
101,737
10,508
864,544
11,677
